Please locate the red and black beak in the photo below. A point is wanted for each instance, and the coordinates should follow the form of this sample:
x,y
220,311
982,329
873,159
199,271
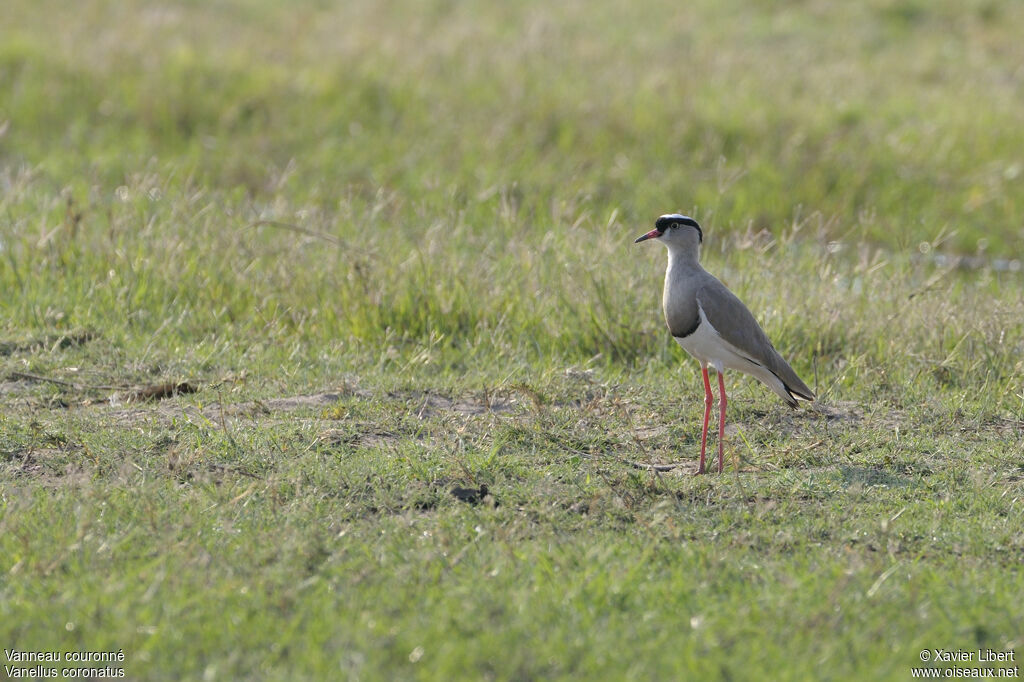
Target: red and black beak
x,y
653,234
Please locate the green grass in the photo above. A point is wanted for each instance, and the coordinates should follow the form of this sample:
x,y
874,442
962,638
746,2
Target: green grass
x,y
391,245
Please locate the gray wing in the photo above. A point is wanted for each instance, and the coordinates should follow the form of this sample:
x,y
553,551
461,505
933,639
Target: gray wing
x,y
736,324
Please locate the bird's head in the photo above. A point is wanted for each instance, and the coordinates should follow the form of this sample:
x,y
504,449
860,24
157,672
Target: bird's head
x,y
675,231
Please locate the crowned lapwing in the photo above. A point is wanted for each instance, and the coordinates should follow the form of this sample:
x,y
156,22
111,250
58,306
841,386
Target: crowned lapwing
x,y
714,326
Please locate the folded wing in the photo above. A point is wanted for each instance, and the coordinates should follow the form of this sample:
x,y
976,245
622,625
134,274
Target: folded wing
x,y
736,324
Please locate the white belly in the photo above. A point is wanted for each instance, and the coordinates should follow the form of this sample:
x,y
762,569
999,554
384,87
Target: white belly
x,y
709,348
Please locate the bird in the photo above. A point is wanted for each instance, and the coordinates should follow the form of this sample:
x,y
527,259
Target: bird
x,y
714,326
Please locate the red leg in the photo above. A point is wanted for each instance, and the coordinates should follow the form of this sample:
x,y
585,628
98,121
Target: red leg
x,y
709,398
721,421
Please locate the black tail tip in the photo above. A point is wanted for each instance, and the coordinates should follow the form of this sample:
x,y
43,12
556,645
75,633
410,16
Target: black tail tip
x,y
794,396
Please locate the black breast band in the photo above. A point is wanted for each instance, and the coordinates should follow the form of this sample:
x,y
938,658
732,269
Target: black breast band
x,y
684,334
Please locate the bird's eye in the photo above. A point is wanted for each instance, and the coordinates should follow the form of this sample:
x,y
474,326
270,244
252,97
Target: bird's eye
x,y
674,225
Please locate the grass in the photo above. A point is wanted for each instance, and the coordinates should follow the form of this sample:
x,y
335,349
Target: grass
x,y
394,257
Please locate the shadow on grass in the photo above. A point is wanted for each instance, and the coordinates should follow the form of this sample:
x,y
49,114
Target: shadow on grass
x,y
865,476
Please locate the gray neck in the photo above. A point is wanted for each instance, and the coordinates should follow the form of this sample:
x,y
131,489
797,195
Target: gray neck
x,y
682,278
684,256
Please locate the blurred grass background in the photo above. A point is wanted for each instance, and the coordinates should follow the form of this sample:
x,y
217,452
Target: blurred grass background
x,y
900,119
